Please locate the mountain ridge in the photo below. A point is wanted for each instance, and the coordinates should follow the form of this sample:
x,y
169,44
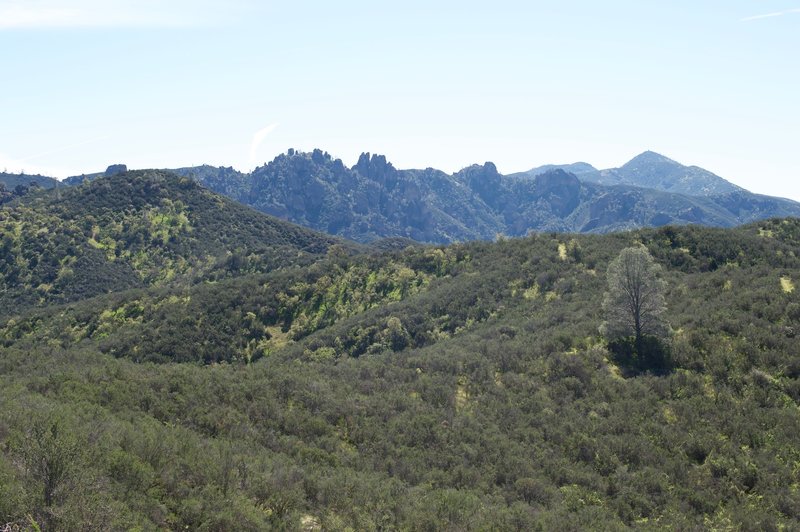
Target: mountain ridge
x,y
373,199
649,169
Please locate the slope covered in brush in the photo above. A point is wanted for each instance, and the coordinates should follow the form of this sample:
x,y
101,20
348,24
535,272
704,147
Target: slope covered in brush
x,y
463,388
135,229
10,181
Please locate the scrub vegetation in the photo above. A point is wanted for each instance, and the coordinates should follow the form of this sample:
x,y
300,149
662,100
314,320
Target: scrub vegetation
x,y
172,360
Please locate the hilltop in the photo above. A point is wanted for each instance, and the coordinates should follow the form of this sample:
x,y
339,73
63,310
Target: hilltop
x,y
136,229
11,181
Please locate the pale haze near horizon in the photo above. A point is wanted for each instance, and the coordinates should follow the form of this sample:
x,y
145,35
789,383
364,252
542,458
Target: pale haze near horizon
x,y
175,83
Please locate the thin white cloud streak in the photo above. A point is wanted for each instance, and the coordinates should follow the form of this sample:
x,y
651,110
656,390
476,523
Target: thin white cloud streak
x,y
258,138
771,15
43,14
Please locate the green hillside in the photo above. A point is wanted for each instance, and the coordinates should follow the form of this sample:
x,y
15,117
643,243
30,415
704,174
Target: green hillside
x,y
137,229
11,181
426,388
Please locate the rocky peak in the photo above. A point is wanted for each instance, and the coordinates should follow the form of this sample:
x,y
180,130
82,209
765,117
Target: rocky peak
x,y
649,163
484,180
561,190
649,156
319,156
115,169
376,168
556,178
478,176
653,170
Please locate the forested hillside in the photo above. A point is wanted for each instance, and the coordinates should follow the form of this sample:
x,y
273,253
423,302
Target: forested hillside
x,y
135,229
294,384
10,181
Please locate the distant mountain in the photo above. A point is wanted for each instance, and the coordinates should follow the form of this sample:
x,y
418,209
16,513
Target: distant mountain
x,y
221,179
650,170
373,199
558,201
582,170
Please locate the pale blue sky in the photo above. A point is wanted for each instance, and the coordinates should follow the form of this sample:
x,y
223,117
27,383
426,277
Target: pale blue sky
x,y
150,83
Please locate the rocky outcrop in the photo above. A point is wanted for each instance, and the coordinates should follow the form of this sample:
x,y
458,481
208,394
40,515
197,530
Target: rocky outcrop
x,y
560,190
115,169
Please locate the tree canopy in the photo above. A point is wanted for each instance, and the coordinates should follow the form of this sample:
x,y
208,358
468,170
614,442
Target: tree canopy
x,y
634,302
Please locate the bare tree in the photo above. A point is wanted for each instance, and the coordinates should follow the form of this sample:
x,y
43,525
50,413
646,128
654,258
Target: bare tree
x,y
634,302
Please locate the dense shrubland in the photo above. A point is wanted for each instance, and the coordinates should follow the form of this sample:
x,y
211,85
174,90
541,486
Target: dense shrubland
x,y
135,230
464,387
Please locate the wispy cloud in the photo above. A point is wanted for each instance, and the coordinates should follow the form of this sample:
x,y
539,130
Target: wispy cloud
x,y
33,14
771,15
258,138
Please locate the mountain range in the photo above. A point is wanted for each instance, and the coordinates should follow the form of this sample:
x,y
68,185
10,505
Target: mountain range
x,y
373,199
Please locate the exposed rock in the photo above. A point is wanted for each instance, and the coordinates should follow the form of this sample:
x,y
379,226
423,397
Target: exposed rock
x,y
377,168
115,169
560,189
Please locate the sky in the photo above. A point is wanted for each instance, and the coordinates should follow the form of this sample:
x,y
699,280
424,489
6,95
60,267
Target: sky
x,y
444,84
